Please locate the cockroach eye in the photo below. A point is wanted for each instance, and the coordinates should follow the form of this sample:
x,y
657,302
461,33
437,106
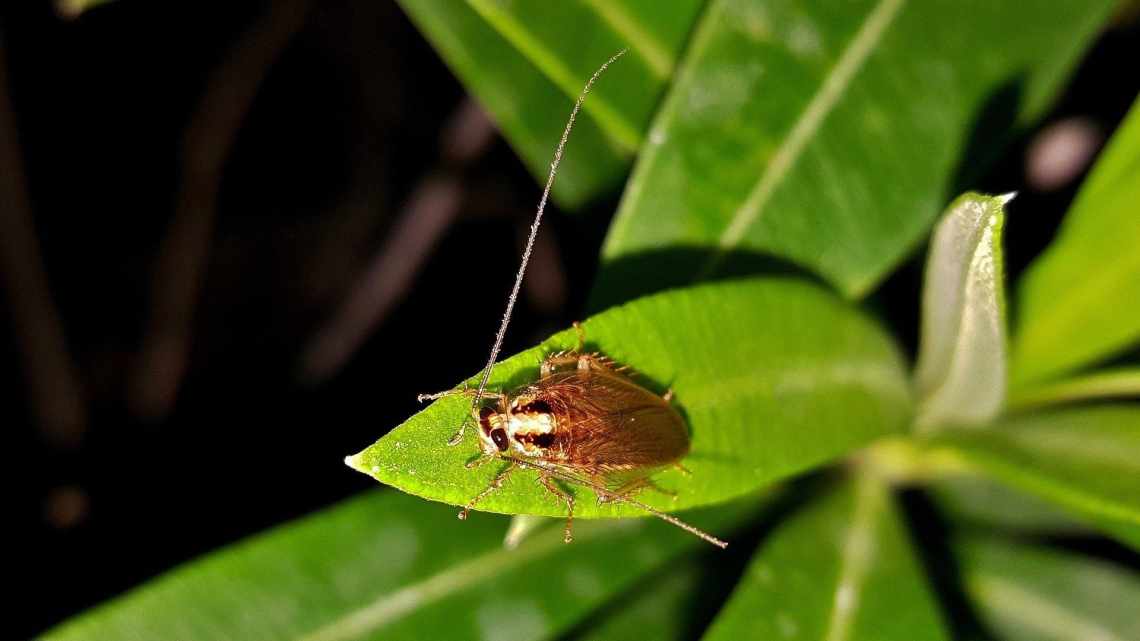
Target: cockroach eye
x,y
499,436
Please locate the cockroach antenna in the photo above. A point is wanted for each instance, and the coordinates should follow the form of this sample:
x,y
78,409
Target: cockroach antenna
x,y
530,241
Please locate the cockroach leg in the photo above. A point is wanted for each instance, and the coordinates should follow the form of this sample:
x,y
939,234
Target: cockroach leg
x,y
479,461
682,469
557,362
553,488
496,483
668,395
457,438
632,488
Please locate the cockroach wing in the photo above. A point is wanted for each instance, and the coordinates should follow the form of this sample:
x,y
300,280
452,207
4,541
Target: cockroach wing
x,y
607,423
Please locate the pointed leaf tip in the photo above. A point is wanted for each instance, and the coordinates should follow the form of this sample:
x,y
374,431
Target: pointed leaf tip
x,y
961,372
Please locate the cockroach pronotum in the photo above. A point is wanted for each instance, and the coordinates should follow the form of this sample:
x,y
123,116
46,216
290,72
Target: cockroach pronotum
x,y
586,421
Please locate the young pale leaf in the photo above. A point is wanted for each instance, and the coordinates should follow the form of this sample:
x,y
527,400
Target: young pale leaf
x,y
516,59
774,376
1027,593
827,134
842,568
1080,301
961,368
389,566
1086,460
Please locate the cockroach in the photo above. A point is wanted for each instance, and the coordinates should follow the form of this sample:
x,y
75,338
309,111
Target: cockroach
x,y
586,421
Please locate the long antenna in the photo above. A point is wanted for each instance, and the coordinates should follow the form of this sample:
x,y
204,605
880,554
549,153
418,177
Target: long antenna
x,y
530,241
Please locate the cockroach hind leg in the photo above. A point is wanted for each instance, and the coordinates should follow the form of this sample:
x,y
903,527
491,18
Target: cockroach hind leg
x,y
634,487
566,498
495,484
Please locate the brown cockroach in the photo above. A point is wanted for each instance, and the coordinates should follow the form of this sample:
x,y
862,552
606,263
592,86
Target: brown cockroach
x,y
586,421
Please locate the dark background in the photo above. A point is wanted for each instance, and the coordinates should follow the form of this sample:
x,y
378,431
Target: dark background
x,y
351,119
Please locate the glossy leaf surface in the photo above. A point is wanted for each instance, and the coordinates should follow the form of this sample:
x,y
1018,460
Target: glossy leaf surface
x,y
832,135
961,372
773,375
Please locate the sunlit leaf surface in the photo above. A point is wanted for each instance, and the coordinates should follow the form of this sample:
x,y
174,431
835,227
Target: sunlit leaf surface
x,y
831,134
773,375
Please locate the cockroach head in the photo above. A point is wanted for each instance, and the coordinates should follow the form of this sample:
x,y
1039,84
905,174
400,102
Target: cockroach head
x,y
492,430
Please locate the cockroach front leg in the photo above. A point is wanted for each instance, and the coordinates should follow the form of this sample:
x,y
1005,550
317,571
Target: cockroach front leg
x,y
551,487
502,399
496,483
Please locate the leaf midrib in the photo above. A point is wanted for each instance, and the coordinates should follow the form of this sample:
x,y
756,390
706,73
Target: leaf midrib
x,y
392,606
831,90
857,555
624,135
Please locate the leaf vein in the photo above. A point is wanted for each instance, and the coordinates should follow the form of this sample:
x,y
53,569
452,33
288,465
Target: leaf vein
x,y
821,104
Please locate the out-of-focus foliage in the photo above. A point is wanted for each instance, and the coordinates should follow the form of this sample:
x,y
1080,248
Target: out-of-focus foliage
x,y
823,141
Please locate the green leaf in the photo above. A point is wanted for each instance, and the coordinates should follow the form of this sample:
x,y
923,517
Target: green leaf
x,y
1118,382
389,566
842,568
831,135
1037,594
979,501
961,371
659,608
1079,302
774,376
1086,460
516,59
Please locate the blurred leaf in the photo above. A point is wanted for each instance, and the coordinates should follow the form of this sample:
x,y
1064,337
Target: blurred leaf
x,y
517,60
774,376
980,501
842,568
658,608
72,9
1086,460
1079,302
832,134
961,368
1119,382
1037,594
389,566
